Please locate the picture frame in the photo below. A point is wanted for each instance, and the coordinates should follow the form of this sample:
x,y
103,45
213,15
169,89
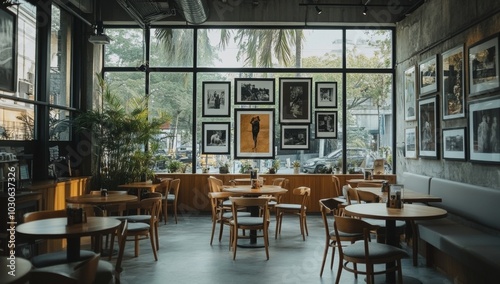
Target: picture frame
x,y
452,77
484,132
326,95
483,66
8,46
215,137
295,137
255,91
326,124
428,75
411,142
428,124
254,133
410,99
454,144
295,100
216,99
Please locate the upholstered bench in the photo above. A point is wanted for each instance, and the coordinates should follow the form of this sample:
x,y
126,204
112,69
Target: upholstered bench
x,y
471,232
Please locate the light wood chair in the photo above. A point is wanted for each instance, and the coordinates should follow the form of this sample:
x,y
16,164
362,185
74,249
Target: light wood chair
x,y
249,222
365,252
337,189
299,209
163,189
173,197
141,230
273,200
106,273
330,207
83,272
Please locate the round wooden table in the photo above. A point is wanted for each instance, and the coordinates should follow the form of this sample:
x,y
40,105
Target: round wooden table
x,y
56,228
408,196
14,270
354,182
390,215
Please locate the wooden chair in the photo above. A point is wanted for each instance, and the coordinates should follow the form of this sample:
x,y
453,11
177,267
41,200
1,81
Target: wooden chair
x,y
59,257
331,207
216,185
163,189
172,197
337,189
365,252
273,200
152,207
83,272
297,209
249,222
105,270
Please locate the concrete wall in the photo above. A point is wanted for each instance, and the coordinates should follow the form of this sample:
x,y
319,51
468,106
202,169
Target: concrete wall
x,y
437,26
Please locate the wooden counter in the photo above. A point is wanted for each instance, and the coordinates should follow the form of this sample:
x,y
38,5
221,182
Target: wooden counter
x,y
193,193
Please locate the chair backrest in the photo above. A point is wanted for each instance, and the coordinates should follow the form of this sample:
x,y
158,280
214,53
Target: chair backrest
x,y
242,202
174,186
83,273
48,214
283,182
152,205
367,197
353,226
337,191
305,192
164,186
122,239
216,199
352,195
328,206
215,184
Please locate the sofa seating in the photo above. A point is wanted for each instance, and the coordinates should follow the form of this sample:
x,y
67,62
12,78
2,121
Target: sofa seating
x,y
471,232
415,182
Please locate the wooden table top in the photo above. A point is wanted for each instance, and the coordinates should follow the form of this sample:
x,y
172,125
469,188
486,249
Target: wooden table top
x,y
100,200
358,180
407,196
56,228
248,190
141,184
21,273
408,212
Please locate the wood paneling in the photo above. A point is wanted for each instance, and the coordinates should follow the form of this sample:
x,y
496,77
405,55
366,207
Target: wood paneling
x,y
193,195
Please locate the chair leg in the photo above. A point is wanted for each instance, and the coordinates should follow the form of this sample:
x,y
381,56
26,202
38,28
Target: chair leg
x,y
325,252
153,246
339,271
221,229
266,242
164,209
279,215
333,255
214,222
157,237
301,220
235,242
175,210
111,246
400,272
136,243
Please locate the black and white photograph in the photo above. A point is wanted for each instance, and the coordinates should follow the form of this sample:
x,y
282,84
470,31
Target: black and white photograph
x,y
295,100
428,72
326,94
254,91
216,99
410,100
215,137
484,130
7,51
428,124
483,67
453,83
411,143
295,137
326,124
454,144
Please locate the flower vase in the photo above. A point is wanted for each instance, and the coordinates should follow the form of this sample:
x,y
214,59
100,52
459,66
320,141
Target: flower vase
x,y
296,170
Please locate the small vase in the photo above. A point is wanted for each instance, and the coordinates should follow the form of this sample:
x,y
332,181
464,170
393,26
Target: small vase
x,y
296,170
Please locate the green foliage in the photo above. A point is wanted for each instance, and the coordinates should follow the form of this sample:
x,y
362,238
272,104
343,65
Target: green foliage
x,y
119,138
174,166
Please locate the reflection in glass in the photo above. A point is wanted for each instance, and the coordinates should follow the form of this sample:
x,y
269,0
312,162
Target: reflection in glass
x,y
17,121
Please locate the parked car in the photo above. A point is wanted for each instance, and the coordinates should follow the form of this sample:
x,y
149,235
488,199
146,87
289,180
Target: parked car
x,y
355,159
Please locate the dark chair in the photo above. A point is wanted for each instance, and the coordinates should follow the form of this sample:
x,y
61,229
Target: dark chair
x,y
365,252
82,272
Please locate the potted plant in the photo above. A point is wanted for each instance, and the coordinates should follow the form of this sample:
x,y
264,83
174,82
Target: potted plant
x,y
275,166
296,167
174,166
224,168
246,166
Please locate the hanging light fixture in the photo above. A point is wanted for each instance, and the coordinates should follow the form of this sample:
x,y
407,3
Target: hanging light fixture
x,y
365,11
318,10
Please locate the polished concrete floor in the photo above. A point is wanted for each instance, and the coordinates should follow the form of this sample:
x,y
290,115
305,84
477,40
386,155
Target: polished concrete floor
x,y
185,256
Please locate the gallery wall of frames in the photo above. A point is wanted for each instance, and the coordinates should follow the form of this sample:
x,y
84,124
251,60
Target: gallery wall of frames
x,y
254,116
460,83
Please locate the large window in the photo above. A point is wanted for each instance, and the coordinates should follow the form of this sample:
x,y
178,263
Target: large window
x,y
360,64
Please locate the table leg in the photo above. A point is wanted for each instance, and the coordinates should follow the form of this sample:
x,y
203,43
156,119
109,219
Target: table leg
x,y
73,249
254,212
391,239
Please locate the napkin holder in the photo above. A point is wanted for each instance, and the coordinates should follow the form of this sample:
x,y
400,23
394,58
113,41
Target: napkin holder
x,y
395,196
75,216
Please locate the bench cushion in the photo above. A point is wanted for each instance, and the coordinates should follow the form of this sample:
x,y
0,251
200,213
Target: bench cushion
x,y
415,182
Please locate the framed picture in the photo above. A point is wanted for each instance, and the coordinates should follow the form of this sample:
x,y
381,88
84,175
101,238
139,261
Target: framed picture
x,y
7,51
410,100
326,124
483,66
216,99
428,72
411,138
484,131
295,100
254,130
454,144
254,91
428,124
215,137
295,137
453,83
326,94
